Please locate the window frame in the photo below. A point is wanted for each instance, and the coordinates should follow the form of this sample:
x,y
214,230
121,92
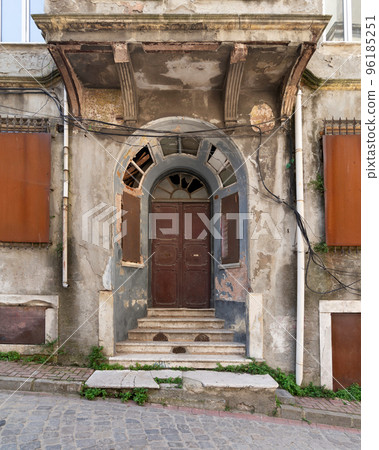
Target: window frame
x,y
25,24
347,18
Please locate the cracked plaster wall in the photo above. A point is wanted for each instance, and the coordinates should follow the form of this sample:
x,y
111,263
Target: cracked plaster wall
x,y
272,260
320,105
182,6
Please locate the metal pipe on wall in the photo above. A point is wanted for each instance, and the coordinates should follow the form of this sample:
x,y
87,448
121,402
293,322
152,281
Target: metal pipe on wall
x,y
65,192
300,241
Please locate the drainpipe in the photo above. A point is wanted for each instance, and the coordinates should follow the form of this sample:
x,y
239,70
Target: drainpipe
x,y
300,241
65,192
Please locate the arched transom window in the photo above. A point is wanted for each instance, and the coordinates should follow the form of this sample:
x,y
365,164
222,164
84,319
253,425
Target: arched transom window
x,y
143,160
180,186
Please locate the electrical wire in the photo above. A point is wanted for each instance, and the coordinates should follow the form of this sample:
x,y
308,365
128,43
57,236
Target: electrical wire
x,y
131,131
312,255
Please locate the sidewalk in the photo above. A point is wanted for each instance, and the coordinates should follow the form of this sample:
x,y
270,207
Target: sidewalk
x,y
68,380
16,375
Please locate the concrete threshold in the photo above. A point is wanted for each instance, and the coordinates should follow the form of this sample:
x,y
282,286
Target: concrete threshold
x,y
199,388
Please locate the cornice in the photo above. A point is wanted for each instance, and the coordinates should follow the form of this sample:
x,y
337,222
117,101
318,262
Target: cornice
x,y
312,81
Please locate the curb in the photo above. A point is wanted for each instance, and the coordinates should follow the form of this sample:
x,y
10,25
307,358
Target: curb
x,y
292,411
319,416
254,417
288,412
39,385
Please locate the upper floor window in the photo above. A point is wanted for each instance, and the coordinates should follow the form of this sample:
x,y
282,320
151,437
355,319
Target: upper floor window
x,y
345,24
16,23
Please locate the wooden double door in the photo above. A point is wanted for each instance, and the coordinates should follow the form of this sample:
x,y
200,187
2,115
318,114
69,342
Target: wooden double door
x,y
181,266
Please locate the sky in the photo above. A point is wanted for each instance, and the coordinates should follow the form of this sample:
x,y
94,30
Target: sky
x,y
11,11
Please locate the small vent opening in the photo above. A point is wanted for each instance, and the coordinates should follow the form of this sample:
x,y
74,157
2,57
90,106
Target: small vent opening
x,y
202,338
179,350
160,337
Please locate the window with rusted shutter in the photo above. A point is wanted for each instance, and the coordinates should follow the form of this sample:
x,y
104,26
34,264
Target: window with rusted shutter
x,y
229,229
131,241
24,187
342,180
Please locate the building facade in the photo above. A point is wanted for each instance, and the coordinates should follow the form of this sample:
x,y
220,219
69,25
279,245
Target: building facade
x,y
167,180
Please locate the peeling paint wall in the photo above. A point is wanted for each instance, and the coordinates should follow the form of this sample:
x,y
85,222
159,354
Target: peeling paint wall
x,y
269,249
343,63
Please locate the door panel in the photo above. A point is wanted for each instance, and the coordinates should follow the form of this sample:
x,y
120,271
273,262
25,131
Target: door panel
x,y
346,349
181,262
196,259
166,260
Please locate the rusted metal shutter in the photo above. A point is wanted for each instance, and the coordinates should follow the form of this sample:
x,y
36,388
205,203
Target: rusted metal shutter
x,y
230,243
22,325
342,179
346,349
24,187
131,248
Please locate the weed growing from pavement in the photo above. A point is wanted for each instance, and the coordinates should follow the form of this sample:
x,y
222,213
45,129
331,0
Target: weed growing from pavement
x,y
158,366
138,395
48,346
170,380
287,382
97,360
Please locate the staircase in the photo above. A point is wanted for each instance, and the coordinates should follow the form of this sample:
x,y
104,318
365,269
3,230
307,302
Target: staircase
x,y
180,337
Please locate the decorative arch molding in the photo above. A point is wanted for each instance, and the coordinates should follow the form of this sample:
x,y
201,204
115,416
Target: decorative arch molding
x,y
209,136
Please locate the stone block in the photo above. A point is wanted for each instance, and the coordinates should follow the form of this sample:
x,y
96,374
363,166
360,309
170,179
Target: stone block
x,y
181,397
15,383
57,386
291,412
243,392
285,397
328,417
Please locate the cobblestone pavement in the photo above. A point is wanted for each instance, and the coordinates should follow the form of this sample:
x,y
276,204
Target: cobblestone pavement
x,y
30,421
46,371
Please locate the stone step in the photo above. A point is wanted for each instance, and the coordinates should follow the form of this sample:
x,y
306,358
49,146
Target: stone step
x,y
180,312
181,335
192,348
180,322
178,360
200,388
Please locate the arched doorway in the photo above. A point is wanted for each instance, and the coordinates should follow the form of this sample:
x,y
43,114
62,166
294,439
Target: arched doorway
x,y
189,146
180,242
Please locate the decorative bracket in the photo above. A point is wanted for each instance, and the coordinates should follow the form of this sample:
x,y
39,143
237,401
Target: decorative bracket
x,y
292,81
233,83
71,81
124,67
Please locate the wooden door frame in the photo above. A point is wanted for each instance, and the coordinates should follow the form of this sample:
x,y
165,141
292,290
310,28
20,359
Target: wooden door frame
x,y
326,308
211,246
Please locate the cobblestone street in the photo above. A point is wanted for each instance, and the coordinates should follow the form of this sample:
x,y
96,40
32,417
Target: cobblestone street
x,y
30,421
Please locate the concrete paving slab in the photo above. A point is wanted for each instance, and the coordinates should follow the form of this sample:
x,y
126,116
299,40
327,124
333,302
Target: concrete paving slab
x,y
209,379
122,379
166,373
